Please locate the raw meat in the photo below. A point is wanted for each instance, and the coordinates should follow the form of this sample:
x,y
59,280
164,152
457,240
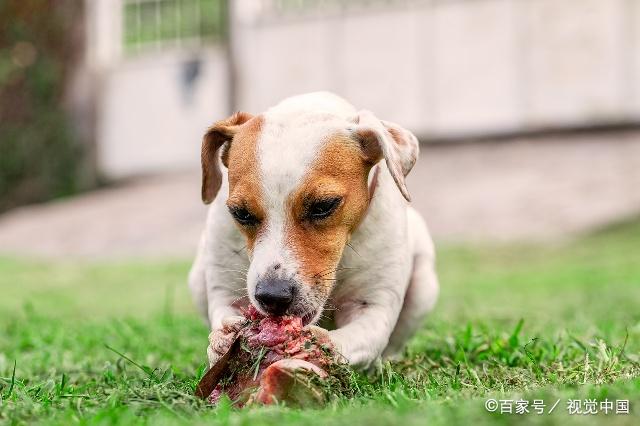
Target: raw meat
x,y
272,359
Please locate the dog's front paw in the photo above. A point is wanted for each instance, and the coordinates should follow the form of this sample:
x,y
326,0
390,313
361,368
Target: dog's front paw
x,y
321,334
323,337
221,339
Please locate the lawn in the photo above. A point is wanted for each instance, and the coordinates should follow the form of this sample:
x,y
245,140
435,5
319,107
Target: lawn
x,y
104,343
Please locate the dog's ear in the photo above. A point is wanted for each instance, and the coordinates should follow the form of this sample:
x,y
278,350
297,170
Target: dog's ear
x,y
382,139
218,137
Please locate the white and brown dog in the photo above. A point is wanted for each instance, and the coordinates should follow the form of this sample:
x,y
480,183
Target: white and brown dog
x,y
312,223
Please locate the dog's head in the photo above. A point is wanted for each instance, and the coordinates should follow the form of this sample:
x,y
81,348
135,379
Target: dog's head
x,y
298,188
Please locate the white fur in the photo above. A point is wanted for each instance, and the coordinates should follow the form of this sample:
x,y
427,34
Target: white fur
x,y
291,137
387,281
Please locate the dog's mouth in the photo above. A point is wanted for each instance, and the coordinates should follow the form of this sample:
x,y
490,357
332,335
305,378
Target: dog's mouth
x,y
308,318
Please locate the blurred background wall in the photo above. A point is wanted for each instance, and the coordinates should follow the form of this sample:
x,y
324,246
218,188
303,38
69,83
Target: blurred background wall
x,y
447,69
450,68
161,73
528,111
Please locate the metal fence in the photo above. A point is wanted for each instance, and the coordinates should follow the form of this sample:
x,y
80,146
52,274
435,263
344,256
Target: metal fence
x,y
161,24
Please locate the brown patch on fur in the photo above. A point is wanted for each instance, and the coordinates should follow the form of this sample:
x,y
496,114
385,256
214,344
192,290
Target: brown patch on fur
x,y
396,135
215,138
339,171
244,185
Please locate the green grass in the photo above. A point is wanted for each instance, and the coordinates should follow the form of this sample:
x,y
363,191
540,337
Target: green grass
x,y
547,322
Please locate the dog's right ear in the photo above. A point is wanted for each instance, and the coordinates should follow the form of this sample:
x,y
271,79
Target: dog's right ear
x,y
218,136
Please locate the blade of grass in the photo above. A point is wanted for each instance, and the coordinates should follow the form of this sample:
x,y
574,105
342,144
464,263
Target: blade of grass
x,y
146,370
13,379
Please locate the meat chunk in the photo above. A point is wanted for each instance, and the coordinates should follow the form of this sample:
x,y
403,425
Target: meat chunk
x,y
272,359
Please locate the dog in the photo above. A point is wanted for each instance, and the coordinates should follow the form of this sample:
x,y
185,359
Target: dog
x,y
309,217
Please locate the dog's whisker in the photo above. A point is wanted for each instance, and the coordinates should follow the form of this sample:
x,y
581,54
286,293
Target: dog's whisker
x,y
224,265
322,274
336,270
239,252
354,250
329,270
239,299
237,278
318,273
330,307
229,271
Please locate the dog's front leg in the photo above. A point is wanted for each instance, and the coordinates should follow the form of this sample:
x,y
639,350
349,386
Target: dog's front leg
x,y
225,321
364,328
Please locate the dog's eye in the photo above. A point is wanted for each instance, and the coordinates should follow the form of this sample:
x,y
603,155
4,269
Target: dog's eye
x,y
243,216
322,209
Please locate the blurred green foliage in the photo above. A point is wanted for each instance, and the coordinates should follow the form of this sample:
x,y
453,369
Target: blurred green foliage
x,y
40,158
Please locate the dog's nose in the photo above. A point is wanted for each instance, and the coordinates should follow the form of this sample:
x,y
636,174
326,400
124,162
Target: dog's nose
x,y
274,295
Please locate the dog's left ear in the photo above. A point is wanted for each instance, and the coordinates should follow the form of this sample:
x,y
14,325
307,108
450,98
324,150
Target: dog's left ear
x,y
218,136
382,139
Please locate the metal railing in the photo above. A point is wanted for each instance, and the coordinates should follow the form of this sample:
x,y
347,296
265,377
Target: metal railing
x,y
161,24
